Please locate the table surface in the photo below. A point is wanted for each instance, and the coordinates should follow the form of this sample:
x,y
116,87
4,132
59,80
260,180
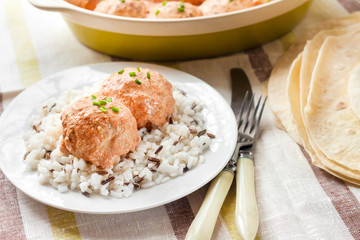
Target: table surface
x,y
296,199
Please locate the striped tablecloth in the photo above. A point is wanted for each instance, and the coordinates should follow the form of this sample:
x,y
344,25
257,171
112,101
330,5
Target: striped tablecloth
x,y
296,200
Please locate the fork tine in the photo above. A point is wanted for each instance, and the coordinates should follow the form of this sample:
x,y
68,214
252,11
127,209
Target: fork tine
x,y
261,111
253,119
250,106
243,104
259,117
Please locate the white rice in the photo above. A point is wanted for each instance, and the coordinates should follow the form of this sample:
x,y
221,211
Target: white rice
x,y
182,150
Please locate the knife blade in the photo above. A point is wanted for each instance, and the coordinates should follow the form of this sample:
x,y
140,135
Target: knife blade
x,y
240,84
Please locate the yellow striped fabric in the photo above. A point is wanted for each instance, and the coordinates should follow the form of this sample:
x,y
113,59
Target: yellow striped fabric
x,y
63,223
26,60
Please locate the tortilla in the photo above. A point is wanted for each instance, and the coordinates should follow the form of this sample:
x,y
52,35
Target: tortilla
x,y
354,90
316,95
331,123
277,84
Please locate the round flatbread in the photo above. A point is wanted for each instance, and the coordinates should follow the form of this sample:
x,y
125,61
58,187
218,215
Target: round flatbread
x,y
331,123
354,90
277,84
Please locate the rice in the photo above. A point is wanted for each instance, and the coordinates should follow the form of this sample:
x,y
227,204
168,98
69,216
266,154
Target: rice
x,y
163,153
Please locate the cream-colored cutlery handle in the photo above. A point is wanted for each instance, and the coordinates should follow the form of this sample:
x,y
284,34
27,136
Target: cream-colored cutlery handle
x,y
203,225
246,211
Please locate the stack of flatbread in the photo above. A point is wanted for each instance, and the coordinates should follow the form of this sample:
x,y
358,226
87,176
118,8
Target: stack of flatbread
x,y
314,90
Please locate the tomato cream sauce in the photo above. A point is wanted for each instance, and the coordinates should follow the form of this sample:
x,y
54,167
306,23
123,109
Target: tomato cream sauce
x,y
96,135
165,9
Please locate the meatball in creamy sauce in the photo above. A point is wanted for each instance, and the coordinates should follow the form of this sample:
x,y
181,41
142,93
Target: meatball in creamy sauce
x,y
87,4
193,2
212,7
128,8
165,9
98,133
174,9
146,93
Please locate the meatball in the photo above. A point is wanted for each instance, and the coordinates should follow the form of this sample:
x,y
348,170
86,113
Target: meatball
x,y
193,2
211,7
126,8
87,4
96,136
174,9
146,93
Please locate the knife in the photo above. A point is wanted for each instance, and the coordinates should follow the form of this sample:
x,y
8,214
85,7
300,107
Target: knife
x,y
203,225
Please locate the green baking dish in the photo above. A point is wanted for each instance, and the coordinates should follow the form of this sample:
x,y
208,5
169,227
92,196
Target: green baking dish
x,y
179,39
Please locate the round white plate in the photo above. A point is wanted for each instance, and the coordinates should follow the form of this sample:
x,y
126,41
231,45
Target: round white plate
x,y
14,123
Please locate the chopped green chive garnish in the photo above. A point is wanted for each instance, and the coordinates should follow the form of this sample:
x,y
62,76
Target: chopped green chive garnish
x,y
138,69
230,0
108,99
157,12
93,97
182,7
132,74
115,109
102,102
148,75
122,1
103,109
137,82
120,72
96,103
164,3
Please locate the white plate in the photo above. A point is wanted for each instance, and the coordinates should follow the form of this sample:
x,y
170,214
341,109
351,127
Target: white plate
x,y
14,122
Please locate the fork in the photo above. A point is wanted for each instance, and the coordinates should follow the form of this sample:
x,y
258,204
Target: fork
x,y
203,225
246,211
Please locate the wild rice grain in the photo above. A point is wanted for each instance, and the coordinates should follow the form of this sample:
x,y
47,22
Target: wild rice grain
x,y
194,121
151,159
211,135
202,132
182,92
159,149
52,107
177,141
26,154
103,182
193,106
36,127
138,179
155,160
86,194
101,172
47,154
